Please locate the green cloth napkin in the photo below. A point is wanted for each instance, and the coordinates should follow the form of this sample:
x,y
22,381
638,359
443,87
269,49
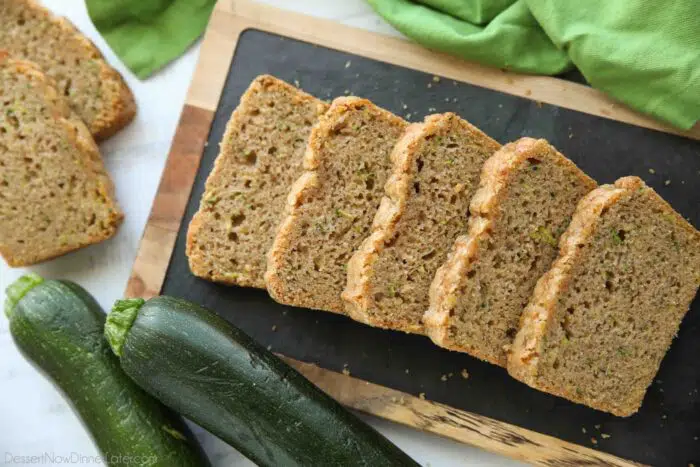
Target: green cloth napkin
x,y
148,34
645,53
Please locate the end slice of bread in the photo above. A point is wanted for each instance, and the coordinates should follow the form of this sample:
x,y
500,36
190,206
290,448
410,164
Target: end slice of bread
x,y
331,206
527,194
55,195
260,158
95,90
602,318
436,167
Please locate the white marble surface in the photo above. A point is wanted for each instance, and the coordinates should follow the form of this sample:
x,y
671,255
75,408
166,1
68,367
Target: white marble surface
x,y
34,418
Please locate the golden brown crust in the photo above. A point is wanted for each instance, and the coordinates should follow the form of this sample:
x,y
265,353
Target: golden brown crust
x,y
198,264
540,315
302,191
117,103
495,177
77,135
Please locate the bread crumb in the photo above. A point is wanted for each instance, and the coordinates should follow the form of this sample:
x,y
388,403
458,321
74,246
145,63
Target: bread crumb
x,y
454,100
421,395
571,135
583,430
663,417
346,371
597,427
274,327
667,182
431,109
447,99
443,378
594,441
206,143
346,92
408,116
454,83
500,106
465,373
269,347
430,85
604,435
347,64
405,106
407,371
539,104
296,83
436,79
652,171
284,313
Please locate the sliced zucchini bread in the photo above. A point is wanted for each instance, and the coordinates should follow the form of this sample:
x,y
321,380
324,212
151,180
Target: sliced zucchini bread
x,y
436,167
95,90
527,194
55,195
331,206
602,318
260,157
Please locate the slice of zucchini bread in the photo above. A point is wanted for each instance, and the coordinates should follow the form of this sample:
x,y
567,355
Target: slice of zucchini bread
x,y
260,158
602,318
331,206
95,90
527,194
435,173
55,195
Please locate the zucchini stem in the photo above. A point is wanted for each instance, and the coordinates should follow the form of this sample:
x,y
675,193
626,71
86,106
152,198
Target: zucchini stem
x,y
119,322
19,289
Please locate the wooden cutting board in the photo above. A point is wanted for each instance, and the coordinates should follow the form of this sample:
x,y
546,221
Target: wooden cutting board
x,y
401,377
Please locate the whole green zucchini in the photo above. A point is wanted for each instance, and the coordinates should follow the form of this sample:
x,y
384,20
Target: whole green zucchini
x,y
214,374
59,327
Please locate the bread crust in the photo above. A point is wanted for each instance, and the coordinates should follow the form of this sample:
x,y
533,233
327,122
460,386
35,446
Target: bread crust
x,y
118,104
302,192
201,219
444,290
77,135
358,293
539,316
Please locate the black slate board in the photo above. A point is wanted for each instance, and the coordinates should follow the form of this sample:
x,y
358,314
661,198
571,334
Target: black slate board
x,y
665,431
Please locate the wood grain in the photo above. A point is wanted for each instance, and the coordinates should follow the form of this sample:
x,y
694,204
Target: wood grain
x,y
229,20
158,240
486,433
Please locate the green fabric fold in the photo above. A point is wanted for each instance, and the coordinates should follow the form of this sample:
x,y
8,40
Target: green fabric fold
x,y
645,53
149,34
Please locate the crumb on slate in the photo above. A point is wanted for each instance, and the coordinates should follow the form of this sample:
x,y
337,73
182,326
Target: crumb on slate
x,y
604,435
667,182
583,430
594,441
597,427
436,79
408,116
296,83
430,85
347,64
652,171
407,371
443,378
465,373
274,327
539,104
421,395
405,106
346,92
269,347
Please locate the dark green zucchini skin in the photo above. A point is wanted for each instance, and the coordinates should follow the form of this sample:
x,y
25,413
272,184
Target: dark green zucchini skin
x,y
58,326
215,375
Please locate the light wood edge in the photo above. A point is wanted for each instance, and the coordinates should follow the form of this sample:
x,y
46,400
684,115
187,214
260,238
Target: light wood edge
x,y
477,430
231,17
157,243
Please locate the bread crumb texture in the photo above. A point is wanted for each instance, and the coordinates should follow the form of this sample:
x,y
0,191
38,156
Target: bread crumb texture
x,y
331,206
527,194
602,318
260,157
436,167
55,195
94,90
